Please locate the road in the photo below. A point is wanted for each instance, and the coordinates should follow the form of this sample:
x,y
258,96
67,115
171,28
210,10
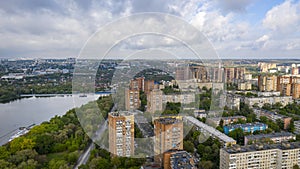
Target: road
x,y
86,154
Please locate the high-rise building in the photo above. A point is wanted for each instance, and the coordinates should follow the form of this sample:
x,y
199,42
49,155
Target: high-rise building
x,y
121,133
155,101
262,156
178,159
168,134
183,73
267,83
137,84
149,86
289,85
132,99
295,87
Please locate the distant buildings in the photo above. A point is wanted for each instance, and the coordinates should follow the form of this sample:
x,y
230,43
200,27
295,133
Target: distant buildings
x,y
244,86
168,134
273,116
289,86
267,83
297,127
248,127
260,101
226,120
121,133
176,159
155,101
263,156
132,99
233,101
265,138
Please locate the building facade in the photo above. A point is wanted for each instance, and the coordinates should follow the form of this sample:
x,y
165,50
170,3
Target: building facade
x,y
267,138
121,133
262,156
132,99
168,135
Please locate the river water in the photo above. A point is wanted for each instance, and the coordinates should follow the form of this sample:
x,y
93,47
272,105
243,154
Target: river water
x,y
35,110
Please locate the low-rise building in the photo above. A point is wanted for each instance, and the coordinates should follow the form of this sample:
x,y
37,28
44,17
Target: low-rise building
x,y
273,116
274,137
226,120
244,86
297,127
178,159
233,101
248,127
200,114
260,101
262,156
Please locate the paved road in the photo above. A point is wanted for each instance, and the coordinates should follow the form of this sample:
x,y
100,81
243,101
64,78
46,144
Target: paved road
x,y
85,156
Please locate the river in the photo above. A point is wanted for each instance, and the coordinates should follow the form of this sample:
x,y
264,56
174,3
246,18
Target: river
x,y
35,110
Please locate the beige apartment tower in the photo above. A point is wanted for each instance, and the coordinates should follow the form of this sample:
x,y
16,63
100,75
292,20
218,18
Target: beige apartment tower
x,y
132,99
121,133
168,135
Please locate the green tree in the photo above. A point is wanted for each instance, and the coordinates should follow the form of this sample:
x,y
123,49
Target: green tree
x,y
188,146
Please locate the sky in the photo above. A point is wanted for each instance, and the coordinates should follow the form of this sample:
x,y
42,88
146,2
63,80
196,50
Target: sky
x,y
248,29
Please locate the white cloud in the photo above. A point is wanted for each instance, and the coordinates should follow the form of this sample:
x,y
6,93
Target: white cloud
x,y
284,18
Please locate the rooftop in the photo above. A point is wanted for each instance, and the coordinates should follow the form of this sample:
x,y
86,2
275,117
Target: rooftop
x,y
210,129
245,125
271,135
260,147
168,120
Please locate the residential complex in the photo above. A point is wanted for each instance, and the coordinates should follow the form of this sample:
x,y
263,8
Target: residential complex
x,y
262,156
121,133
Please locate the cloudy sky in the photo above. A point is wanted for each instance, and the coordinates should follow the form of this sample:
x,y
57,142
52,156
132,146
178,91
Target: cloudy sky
x,y
236,28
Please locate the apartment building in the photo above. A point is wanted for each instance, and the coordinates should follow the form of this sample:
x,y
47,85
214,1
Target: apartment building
x,y
132,99
273,116
168,134
182,98
260,101
262,156
244,86
267,83
273,137
226,120
155,101
121,133
297,127
233,101
137,84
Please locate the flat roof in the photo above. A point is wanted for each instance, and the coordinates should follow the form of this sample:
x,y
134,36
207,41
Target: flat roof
x,y
210,129
261,147
271,135
246,125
